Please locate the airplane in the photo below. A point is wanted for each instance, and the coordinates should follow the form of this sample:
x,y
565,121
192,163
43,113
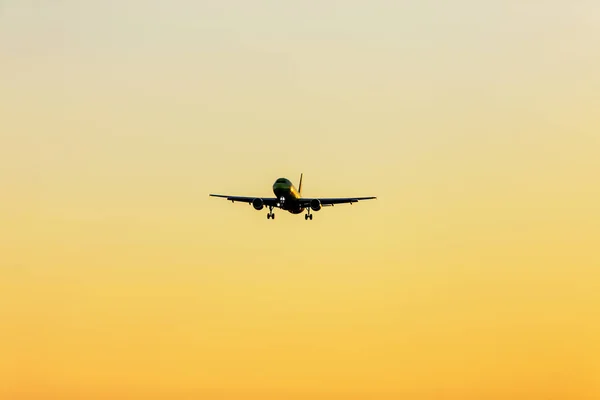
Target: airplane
x,y
290,199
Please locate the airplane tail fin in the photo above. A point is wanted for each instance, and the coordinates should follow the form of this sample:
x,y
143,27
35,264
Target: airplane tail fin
x,y
300,185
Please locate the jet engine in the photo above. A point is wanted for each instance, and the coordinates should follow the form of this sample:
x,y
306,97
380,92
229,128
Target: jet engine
x,y
315,204
258,204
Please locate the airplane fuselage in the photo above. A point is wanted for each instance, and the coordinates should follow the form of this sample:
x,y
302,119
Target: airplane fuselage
x,y
288,195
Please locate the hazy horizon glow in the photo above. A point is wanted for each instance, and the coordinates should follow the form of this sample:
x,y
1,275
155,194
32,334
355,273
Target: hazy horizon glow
x,y
474,275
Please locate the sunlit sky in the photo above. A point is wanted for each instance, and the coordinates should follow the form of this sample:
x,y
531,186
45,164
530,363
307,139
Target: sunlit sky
x,y
474,275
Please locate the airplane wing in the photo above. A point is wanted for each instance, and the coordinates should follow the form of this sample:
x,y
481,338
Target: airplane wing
x,y
268,201
330,201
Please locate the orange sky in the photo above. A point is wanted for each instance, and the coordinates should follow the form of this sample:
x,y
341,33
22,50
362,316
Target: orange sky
x,y
473,276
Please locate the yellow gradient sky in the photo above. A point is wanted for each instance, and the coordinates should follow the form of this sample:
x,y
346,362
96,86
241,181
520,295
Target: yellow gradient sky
x,y
475,275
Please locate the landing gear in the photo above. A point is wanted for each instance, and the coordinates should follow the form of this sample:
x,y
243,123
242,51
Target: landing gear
x,y
308,215
270,213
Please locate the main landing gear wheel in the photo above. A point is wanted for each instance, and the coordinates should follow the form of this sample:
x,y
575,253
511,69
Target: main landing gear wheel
x,y
308,214
270,215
